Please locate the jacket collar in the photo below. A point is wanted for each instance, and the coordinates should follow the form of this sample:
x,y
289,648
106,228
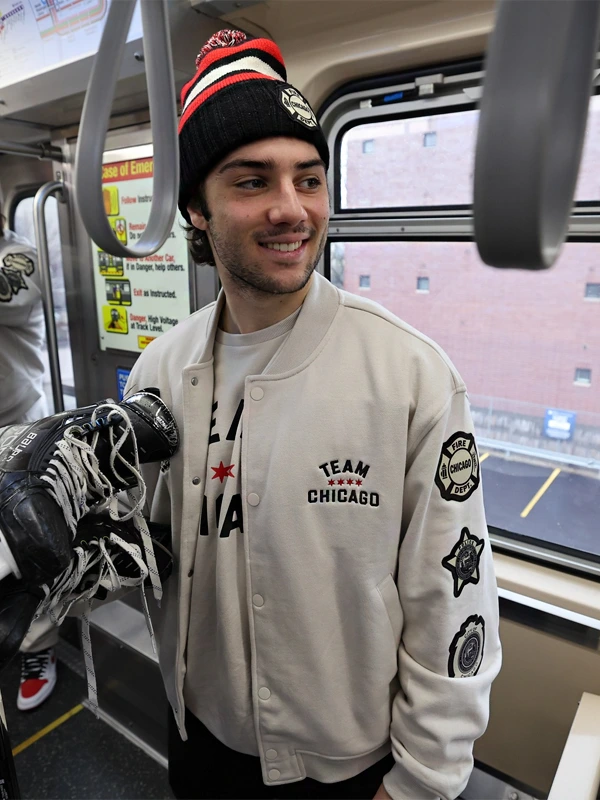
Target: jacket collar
x,y
316,316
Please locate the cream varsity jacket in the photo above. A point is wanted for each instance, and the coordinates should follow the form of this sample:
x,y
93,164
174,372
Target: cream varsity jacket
x,y
365,539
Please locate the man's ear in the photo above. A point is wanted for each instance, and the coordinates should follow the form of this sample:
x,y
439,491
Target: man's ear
x,y
197,217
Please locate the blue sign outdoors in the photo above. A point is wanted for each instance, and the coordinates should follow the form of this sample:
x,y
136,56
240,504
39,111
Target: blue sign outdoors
x,y
559,424
122,375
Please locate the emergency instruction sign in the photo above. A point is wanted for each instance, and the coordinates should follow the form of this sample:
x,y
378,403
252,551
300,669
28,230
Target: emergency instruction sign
x,y
137,299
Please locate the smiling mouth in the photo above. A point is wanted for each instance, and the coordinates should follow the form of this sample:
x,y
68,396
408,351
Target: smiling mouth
x,y
283,247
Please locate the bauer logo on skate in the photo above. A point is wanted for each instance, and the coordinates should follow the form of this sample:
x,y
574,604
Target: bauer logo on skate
x,y
23,444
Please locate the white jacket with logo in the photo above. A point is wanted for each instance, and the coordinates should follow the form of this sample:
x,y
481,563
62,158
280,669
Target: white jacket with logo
x,y
365,540
22,333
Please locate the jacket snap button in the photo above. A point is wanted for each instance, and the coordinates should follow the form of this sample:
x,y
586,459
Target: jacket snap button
x,y
271,754
274,774
253,499
194,381
257,393
264,693
196,480
258,600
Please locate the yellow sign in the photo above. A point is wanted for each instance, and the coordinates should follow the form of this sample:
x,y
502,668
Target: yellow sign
x,y
118,293
119,226
111,266
144,341
115,319
110,195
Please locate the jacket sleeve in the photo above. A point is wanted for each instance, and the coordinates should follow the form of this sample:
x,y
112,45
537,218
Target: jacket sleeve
x,y
449,651
20,292
157,506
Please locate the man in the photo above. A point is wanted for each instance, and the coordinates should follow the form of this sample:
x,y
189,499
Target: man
x,y
334,597
22,399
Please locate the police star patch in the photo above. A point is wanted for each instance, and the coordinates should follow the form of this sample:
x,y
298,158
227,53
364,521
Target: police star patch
x,y
457,474
466,650
463,560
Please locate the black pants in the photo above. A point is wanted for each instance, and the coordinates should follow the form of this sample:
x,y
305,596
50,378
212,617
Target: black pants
x,y
203,767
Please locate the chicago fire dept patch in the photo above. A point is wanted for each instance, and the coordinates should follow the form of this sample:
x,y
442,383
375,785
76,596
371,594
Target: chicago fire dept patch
x,y
297,107
466,650
463,560
457,474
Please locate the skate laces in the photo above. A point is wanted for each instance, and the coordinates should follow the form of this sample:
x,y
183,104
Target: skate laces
x,y
77,484
33,665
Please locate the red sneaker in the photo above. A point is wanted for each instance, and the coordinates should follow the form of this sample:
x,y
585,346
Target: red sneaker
x,y
38,678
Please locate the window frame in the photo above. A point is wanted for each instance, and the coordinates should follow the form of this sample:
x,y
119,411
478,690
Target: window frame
x,y
23,193
360,102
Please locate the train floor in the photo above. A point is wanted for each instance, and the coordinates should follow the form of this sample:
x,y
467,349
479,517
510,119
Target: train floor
x,y
63,751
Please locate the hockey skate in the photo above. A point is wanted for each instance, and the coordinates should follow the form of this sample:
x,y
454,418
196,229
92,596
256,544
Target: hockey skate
x,y
53,471
107,556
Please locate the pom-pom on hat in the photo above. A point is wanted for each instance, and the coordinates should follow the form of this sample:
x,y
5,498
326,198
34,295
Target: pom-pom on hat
x,y
238,95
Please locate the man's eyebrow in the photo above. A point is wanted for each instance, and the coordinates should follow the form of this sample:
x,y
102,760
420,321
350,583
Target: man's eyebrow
x,y
244,163
315,162
267,164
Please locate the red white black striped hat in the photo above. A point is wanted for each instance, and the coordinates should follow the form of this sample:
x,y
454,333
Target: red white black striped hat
x,y
238,95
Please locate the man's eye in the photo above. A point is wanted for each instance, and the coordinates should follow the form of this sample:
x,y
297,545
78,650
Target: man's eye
x,y
312,183
253,183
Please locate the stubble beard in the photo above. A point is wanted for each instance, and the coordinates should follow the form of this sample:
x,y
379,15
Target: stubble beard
x,y
248,277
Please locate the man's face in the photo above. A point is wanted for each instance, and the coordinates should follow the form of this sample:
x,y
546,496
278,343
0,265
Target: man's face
x,y
269,209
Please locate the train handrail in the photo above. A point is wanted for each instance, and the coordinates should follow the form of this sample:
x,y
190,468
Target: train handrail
x,y
41,241
163,118
537,85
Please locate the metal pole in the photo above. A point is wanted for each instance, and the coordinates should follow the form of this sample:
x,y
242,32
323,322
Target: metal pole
x,y
42,151
41,241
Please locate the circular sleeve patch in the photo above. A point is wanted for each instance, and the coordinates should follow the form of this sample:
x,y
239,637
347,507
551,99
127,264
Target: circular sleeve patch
x,y
457,474
466,650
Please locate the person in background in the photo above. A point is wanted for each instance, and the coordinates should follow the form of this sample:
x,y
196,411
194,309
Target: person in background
x,y
330,629
22,400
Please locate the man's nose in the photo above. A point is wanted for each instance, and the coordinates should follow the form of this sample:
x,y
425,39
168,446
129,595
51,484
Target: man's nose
x,y
286,206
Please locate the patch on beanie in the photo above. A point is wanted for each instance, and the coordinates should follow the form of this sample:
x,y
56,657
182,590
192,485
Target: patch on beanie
x,y
297,107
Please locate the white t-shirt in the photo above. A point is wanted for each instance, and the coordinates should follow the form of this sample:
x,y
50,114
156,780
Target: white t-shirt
x,y
217,688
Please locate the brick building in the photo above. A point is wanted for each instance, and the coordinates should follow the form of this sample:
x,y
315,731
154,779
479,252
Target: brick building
x,y
523,341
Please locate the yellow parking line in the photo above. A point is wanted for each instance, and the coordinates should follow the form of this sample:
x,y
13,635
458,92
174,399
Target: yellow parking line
x,y
541,491
483,457
32,739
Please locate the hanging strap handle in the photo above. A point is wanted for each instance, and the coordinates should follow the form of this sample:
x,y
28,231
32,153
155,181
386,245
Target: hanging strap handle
x,y
163,116
539,72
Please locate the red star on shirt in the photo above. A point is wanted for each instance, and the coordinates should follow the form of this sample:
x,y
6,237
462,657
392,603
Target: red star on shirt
x,y
350,481
331,483
222,472
359,483
340,482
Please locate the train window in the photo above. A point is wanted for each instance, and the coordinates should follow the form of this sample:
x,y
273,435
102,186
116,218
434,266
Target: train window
x,y
23,225
588,183
516,338
527,344
440,146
